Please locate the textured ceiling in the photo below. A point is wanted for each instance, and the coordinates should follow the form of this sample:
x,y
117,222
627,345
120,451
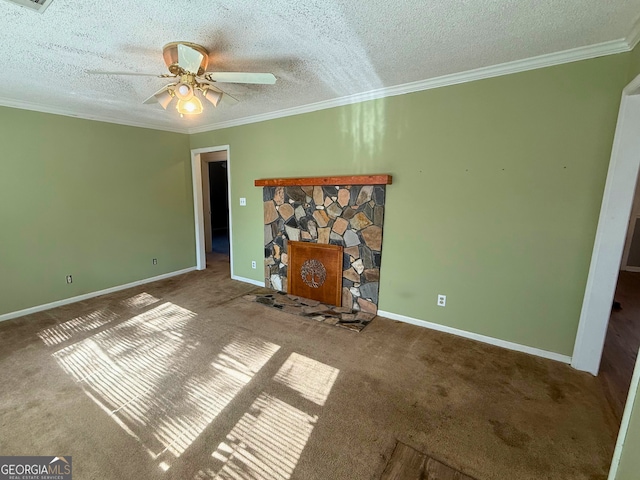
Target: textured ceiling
x,y
319,50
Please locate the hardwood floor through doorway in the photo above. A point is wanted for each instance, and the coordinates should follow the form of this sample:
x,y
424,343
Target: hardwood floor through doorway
x,y
622,342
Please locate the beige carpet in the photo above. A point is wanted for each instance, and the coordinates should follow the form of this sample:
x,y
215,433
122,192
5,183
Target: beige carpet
x,y
184,379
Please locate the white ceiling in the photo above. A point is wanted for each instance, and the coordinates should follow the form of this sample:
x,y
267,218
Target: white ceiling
x,y
318,49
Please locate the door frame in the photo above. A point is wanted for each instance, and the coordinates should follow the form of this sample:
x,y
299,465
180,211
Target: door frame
x,y
198,203
611,234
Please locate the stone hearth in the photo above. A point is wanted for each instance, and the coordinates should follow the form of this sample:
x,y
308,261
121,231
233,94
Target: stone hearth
x,y
339,316
351,216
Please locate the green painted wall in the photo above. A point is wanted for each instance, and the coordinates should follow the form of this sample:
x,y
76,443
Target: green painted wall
x,y
629,467
495,199
91,199
634,61
497,188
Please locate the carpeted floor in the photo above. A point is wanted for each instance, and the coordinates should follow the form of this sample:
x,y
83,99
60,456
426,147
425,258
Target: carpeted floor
x,y
184,379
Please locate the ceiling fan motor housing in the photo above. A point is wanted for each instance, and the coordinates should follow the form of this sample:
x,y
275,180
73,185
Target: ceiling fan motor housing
x,y
170,55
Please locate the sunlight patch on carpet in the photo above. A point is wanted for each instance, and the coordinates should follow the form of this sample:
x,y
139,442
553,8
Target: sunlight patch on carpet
x,y
139,301
158,380
313,380
268,440
266,443
61,333
64,331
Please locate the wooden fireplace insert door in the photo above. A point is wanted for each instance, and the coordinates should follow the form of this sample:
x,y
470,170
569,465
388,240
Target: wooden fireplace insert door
x,y
315,271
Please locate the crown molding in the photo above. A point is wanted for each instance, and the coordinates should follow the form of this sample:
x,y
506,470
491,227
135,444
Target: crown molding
x,y
634,36
23,105
533,63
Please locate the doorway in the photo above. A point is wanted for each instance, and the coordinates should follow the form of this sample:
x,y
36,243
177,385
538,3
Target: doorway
x,y
623,331
622,342
211,177
219,207
610,235
215,197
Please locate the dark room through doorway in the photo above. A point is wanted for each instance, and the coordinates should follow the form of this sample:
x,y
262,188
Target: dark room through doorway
x,y
216,202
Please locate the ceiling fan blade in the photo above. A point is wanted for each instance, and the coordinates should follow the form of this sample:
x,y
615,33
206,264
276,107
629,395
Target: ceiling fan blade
x,y
229,100
99,72
241,77
189,59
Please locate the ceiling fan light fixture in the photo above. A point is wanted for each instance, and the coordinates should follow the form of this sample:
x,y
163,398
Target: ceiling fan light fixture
x,y
164,98
187,63
193,106
183,91
212,95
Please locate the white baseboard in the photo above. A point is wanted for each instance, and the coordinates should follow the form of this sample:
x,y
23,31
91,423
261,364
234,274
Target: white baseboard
x,y
476,336
258,283
86,296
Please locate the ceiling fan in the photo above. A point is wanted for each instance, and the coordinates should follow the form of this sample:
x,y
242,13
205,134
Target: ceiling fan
x,y
187,63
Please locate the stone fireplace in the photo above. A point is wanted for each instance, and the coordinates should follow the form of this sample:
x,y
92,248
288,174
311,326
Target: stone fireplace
x,y
342,211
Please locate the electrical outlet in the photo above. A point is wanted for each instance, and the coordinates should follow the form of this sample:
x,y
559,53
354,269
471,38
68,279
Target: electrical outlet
x,y
442,300
243,202
155,261
69,279
253,264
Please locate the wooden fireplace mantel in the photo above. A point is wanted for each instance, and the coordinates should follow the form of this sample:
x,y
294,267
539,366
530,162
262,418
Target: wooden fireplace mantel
x,y
342,180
